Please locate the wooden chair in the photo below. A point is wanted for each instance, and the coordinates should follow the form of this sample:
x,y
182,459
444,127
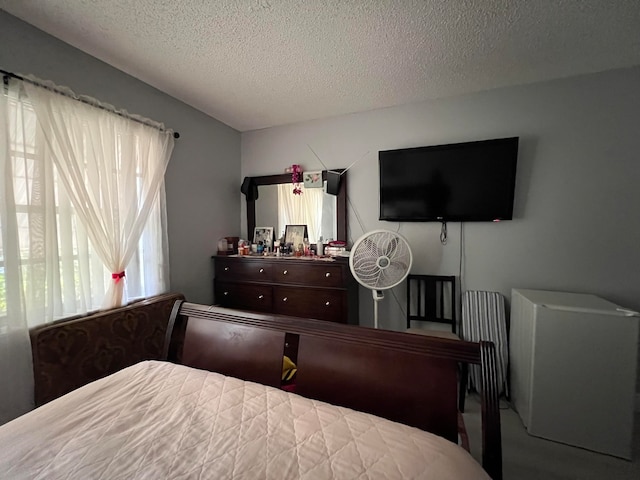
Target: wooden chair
x,y
429,301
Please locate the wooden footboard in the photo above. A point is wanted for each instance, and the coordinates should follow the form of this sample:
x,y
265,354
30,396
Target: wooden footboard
x,y
407,378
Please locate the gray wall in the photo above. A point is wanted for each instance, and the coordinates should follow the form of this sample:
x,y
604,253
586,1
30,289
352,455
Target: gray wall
x,y
202,178
576,225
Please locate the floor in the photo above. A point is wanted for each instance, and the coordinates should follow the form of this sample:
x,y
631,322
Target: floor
x,y
525,457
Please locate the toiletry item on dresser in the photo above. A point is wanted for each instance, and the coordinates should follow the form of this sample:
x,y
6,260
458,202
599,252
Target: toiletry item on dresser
x,y
319,247
222,246
228,245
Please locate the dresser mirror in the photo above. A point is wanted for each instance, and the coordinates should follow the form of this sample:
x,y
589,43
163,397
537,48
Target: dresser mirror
x,y
264,210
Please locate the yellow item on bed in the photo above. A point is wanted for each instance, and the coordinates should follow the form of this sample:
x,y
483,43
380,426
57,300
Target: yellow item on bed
x,y
289,369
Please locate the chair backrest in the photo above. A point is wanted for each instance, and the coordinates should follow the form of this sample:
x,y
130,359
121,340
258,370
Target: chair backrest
x,y
431,298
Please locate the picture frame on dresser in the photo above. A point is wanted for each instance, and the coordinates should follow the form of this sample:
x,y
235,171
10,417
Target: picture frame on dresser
x,y
264,235
295,234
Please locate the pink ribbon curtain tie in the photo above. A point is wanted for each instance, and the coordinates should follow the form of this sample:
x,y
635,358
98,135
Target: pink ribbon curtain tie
x,y
117,276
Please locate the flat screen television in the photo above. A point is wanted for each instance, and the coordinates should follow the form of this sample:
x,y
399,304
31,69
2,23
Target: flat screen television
x,y
472,181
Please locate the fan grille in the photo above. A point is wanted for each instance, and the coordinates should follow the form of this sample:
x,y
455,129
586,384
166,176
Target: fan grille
x,y
380,259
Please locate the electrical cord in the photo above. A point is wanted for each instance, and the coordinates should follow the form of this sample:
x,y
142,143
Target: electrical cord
x,y
461,265
443,233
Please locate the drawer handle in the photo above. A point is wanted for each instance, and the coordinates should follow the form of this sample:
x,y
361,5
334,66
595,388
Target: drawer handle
x,y
285,299
328,274
226,269
327,304
285,272
226,293
262,270
260,297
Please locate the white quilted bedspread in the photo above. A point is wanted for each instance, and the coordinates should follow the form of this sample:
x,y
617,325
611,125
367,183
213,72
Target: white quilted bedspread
x,y
158,420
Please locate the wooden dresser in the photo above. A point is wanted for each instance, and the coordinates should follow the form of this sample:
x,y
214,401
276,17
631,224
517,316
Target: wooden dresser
x,y
319,289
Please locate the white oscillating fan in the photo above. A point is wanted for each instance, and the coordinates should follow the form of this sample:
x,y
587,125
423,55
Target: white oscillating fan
x,y
380,260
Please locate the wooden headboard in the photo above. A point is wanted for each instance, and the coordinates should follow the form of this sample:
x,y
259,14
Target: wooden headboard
x,y
411,379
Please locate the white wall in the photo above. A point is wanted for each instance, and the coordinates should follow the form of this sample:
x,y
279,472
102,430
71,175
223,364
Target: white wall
x,y
202,177
575,226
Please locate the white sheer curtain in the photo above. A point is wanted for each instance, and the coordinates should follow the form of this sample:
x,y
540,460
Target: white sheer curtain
x,y
51,266
303,209
16,385
112,169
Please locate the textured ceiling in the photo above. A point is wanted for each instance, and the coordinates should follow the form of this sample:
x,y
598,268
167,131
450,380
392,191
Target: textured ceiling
x,y
259,63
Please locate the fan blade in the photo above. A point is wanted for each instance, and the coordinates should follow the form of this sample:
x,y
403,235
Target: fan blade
x,y
390,245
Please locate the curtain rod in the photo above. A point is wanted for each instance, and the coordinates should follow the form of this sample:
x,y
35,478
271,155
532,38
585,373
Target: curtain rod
x,y
13,75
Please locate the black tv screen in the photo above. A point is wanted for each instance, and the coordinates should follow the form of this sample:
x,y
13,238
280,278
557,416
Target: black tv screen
x,y
472,181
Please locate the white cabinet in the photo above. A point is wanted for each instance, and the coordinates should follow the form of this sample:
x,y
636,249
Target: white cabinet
x,y
573,364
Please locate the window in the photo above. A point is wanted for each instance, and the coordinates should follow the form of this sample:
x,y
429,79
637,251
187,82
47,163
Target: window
x,y
48,261
81,203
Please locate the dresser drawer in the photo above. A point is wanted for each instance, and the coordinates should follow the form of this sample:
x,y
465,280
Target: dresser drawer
x,y
245,297
319,289
246,270
320,274
323,304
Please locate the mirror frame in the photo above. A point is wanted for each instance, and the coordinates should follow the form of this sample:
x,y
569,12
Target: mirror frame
x,y
341,199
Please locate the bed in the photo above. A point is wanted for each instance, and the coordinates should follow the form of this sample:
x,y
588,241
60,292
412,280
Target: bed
x,y
363,403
